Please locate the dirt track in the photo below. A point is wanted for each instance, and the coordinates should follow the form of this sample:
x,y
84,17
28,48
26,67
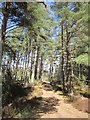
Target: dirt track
x,y
61,109
45,103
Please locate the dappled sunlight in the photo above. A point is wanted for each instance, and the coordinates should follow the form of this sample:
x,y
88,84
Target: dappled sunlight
x,y
36,107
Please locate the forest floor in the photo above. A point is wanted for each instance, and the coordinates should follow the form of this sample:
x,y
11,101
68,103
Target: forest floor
x,y
62,109
43,102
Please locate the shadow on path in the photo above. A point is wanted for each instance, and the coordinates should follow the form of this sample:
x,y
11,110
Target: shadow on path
x,y
35,107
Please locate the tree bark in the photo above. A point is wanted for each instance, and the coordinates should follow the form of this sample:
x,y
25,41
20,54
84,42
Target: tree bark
x,y
16,69
4,22
51,70
41,67
3,32
33,71
0,56
62,58
36,64
68,63
31,63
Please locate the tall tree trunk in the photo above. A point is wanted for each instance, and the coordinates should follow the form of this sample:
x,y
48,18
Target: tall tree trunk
x,y
28,59
31,62
72,66
51,70
0,74
36,64
54,69
25,67
68,63
79,68
41,67
62,58
0,57
2,33
17,63
67,55
33,71
4,22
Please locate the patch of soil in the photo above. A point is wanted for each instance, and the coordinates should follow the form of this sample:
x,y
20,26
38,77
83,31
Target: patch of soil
x,y
82,104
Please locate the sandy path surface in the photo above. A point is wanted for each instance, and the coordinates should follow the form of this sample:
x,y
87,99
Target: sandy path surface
x,y
62,109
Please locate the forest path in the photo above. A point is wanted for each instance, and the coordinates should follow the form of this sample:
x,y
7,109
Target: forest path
x,y
61,109
44,102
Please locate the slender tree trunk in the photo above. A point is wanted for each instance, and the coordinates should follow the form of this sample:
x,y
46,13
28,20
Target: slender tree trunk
x,y
62,58
68,63
4,22
12,66
28,59
67,55
72,66
36,64
81,70
79,67
33,71
0,58
31,63
54,69
51,70
2,34
25,67
17,63
41,68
